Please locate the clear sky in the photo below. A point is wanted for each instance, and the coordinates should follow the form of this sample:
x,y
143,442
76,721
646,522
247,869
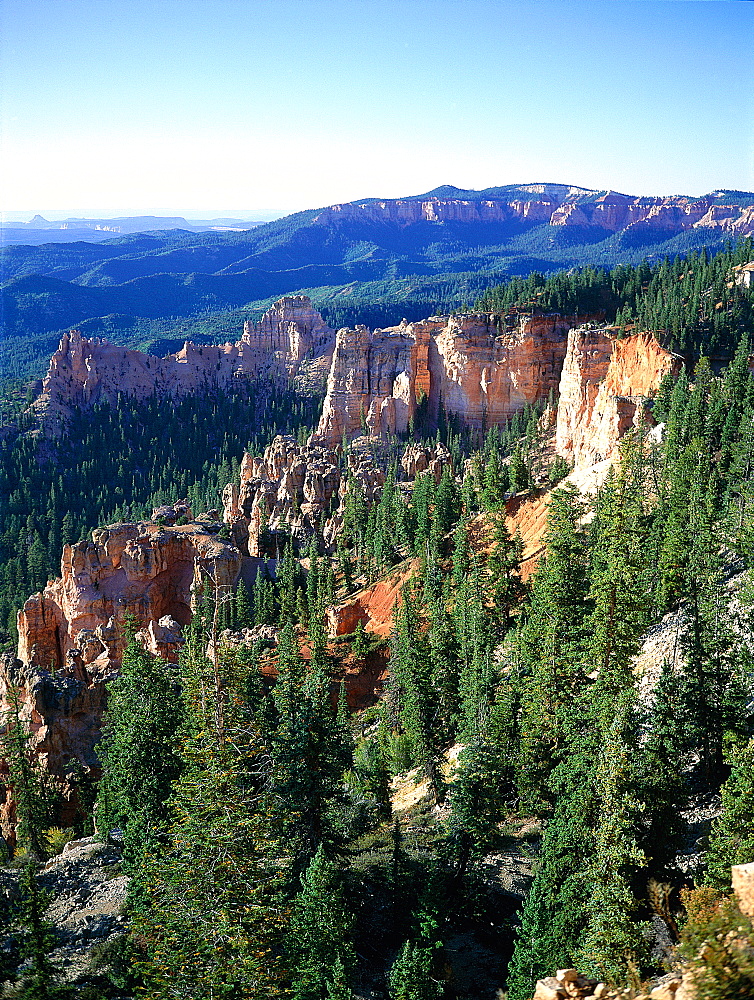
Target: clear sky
x,y
197,106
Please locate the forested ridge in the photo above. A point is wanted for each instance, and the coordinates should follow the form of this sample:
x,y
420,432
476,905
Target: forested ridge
x,y
264,856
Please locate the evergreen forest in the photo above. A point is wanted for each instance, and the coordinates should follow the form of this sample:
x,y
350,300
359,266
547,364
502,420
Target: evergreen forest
x,y
522,798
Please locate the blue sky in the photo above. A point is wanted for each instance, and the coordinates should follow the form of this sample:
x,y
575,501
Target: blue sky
x,y
213,105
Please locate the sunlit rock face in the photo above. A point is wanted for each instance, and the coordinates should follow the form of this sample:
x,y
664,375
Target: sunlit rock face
x,y
151,572
605,384
479,368
86,371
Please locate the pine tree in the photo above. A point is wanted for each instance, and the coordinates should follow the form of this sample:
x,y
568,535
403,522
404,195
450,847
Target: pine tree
x,y
412,681
137,750
554,912
732,837
31,787
460,553
411,975
244,614
206,910
503,567
611,939
40,980
318,939
547,646
620,582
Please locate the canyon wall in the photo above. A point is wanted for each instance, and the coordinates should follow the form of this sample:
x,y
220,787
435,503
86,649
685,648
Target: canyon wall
x,y
479,368
85,371
555,205
605,385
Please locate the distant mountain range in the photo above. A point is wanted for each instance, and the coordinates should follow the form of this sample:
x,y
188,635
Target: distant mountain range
x,y
442,246
40,230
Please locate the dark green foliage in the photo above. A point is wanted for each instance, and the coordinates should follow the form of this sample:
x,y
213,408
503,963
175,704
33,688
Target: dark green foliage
x,y
117,463
548,645
31,786
554,912
260,846
205,902
40,980
412,695
411,975
318,939
689,301
137,750
732,838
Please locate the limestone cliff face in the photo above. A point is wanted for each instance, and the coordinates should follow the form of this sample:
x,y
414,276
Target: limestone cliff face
x,y
154,573
85,371
603,388
555,205
291,329
478,367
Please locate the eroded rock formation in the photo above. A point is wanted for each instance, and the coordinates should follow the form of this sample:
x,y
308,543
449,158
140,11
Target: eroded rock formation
x,y
150,571
63,713
296,490
478,367
85,371
604,387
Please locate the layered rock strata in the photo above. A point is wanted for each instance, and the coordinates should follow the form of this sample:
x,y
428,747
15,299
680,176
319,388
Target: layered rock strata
x,y
480,368
149,571
604,388
555,205
290,329
86,371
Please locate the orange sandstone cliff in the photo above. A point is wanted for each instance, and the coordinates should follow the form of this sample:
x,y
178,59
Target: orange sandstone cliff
x,y
149,571
86,371
479,368
605,384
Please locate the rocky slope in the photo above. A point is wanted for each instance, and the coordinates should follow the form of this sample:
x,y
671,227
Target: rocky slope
x,y
86,371
293,490
88,895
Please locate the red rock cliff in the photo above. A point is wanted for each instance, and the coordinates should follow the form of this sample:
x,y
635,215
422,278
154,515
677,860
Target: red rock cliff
x,y
603,388
154,573
84,371
479,367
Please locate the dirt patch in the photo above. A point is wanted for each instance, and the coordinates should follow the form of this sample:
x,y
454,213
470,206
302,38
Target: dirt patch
x,y
374,606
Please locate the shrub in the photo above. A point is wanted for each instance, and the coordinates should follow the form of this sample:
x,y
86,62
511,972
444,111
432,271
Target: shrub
x,y
718,944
